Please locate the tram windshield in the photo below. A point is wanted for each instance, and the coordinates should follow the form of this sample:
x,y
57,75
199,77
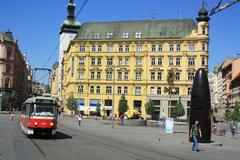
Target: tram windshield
x,y
44,110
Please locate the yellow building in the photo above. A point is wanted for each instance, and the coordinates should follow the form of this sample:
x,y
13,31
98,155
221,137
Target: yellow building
x,y
136,56
54,78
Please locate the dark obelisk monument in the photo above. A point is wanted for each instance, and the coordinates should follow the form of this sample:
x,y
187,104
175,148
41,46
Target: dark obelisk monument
x,y
201,105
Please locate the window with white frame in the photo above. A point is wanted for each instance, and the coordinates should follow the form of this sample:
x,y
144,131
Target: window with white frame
x,y
189,91
126,75
120,61
160,47
99,48
191,61
138,75
92,75
178,61
191,47
158,90
120,48
109,75
126,61
125,90
138,35
98,89
109,48
109,61
177,90
153,61
108,89
178,49
171,47
81,75
153,48
125,35
137,90
82,48
159,76
126,48
191,76
152,75
96,36
170,61
99,61
119,91
91,89
93,61
139,48
119,75
152,90
159,61
81,61
80,88
109,35
98,75
177,76
94,48
138,61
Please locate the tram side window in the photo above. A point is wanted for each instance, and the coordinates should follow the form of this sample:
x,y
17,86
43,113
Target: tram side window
x,y
24,109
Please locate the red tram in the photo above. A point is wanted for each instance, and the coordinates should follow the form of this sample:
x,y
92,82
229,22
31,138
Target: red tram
x,y
39,115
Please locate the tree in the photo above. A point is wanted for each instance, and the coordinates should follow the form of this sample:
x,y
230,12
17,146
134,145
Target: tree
x,y
150,107
5,100
98,109
227,115
122,106
72,103
178,110
235,115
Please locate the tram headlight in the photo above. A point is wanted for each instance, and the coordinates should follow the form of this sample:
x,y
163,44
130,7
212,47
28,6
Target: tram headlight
x,y
51,124
35,123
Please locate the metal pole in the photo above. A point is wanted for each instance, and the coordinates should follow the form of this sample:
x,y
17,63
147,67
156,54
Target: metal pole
x,y
113,115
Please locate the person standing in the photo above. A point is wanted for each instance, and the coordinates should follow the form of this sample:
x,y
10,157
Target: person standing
x,y
79,117
194,133
233,128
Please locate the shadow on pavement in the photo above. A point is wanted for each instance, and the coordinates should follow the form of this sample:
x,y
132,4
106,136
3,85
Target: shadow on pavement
x,y
58,136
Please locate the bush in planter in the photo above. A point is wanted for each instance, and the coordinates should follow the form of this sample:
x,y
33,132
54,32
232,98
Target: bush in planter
x,y
122,105
178,110
150,109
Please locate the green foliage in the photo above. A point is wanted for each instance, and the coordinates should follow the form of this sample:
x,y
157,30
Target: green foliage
x,y
171,77
178,110
5,100
122,106
235,116
98,109
72,103
227,115
150,107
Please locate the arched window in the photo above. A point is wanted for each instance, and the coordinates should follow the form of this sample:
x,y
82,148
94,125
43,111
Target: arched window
x,y
7,83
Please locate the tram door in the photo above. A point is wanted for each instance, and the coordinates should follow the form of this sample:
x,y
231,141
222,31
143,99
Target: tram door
x,y
27,114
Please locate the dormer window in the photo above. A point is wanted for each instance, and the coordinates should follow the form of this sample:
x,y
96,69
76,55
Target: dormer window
x,y
138,35
109,35
125,35
97,36
86,36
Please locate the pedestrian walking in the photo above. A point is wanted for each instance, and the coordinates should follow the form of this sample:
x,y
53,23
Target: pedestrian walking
x,y
79,117
233,128
12,115
195,132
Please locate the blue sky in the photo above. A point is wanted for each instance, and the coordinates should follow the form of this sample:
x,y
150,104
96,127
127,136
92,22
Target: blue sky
x,y
36,23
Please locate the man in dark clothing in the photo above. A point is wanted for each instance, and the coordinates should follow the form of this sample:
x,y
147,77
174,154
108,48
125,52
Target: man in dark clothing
x,y
194,133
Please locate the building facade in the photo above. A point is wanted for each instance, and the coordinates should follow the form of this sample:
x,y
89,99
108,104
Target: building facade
x,y
13,72
54,79
135,58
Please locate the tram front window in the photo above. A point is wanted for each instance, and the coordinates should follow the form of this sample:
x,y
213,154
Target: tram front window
x,y
44,110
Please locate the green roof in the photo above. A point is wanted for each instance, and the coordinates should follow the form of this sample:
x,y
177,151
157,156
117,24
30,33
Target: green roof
x,y
150,29
6,36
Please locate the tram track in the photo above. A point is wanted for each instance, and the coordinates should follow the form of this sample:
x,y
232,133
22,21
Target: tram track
x,y
39,149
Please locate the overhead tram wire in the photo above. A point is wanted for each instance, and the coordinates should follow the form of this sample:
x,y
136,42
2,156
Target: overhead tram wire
x,y
57,46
